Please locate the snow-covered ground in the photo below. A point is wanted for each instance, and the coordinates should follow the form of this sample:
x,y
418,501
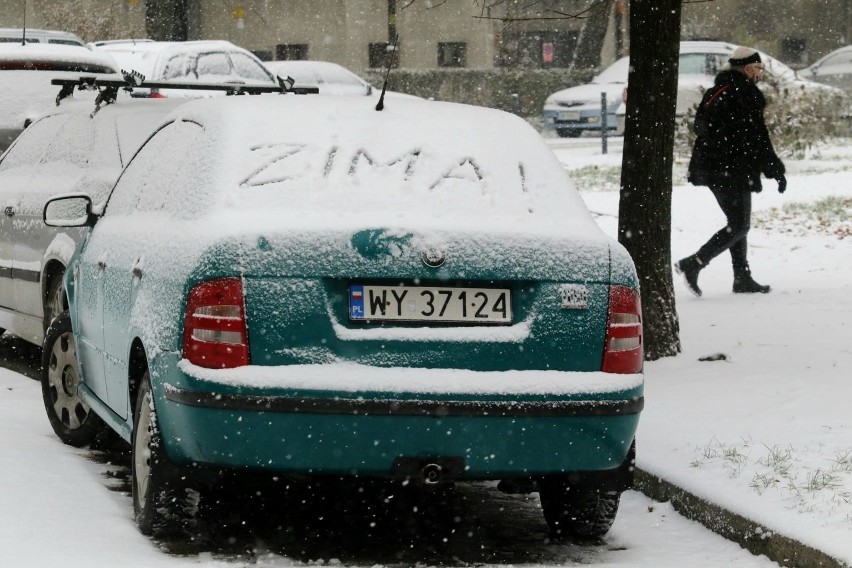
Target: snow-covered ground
x,y
764,432
59,507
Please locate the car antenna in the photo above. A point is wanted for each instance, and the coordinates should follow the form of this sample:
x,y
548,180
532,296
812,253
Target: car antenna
x,y
24,35
381,104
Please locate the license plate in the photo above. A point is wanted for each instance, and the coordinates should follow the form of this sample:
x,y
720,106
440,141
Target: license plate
x,y
430,303
569,115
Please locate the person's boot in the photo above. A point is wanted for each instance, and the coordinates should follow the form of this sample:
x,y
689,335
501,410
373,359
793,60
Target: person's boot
x,y
689,267
745,284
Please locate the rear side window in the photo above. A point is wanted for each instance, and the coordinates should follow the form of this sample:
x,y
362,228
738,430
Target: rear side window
x,y
31,145
161,174
74,141
213,65
34,144
176,67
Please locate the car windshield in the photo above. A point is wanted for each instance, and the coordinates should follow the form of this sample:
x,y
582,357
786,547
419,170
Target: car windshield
x,y
615,73
338,75
701,63
247,67
316,73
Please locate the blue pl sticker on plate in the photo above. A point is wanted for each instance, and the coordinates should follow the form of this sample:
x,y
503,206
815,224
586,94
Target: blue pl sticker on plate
x,y
356,302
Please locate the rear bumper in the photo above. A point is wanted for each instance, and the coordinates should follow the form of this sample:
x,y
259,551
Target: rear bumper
x,y
383,434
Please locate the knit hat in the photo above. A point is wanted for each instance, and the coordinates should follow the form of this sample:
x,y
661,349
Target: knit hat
x,y
743,56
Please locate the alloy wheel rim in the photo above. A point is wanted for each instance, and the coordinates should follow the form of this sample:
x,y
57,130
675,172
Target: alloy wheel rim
x,y
142,451
63,382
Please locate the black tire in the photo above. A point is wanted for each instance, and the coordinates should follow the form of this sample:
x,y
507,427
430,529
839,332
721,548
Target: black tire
x,y
568,132
71,418
582,512
55,303
162,500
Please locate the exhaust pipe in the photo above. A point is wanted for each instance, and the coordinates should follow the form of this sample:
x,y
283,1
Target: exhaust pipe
x,y
431,474
428,470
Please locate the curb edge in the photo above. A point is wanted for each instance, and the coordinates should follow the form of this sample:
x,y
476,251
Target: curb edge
x,y
748,534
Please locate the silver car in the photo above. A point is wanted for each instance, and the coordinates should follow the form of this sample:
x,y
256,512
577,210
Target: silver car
x,y
25,75
203,61
64,152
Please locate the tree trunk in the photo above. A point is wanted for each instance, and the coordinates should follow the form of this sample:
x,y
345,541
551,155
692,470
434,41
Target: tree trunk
x,y
644,212
592,35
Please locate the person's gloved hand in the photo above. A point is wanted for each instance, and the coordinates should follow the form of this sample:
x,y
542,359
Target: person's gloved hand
x,y
782,183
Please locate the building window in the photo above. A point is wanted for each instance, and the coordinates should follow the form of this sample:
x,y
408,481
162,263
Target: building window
x,y
291,51
536,49
452,54
378,55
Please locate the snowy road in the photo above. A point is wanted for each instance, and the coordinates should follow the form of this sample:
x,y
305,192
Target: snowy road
x,y
64,507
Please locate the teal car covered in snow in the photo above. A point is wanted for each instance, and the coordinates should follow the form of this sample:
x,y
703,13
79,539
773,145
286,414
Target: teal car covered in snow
x,y
304,285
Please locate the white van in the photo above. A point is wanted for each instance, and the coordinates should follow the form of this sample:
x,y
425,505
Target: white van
x,y
9,35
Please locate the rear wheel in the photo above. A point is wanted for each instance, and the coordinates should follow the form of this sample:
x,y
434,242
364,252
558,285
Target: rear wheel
x,y
54,301
161,499
71,418
577,511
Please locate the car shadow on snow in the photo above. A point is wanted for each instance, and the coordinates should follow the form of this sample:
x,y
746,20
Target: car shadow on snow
x,y
256,517
20,356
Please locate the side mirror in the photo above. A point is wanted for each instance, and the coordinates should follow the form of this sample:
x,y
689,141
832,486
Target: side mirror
x,y
69,211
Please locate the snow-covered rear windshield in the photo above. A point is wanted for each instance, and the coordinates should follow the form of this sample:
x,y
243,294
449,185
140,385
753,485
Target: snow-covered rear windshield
x,y
317,155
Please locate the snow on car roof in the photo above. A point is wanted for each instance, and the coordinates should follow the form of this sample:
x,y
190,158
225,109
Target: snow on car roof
x,y
135,46
312,160
49,53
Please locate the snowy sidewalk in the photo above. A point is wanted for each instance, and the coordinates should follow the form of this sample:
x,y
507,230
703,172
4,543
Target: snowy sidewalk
x,y
765,432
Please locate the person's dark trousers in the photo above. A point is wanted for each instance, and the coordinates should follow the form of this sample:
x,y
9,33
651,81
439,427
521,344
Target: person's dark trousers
x,y
736,205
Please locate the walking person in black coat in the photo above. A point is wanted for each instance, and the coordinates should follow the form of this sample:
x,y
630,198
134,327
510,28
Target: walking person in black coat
x,y
732,149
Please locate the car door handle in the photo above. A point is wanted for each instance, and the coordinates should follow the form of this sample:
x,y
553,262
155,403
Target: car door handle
x,y
9,211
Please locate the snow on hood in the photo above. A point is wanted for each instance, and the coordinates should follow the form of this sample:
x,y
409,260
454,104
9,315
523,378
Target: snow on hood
x,y
588,94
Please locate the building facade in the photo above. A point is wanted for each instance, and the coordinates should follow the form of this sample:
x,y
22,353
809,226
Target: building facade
x,y
476,34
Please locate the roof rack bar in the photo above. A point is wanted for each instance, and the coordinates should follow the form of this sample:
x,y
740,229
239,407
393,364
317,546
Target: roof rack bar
x,y
133,80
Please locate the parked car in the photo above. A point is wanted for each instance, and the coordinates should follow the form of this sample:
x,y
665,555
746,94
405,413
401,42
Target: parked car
x,y
692,81
57,37
834,69
577,109
203,61
25,75
66,151
308,287
331,78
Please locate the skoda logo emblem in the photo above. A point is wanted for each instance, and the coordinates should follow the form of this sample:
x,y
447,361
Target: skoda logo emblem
x,y
433,258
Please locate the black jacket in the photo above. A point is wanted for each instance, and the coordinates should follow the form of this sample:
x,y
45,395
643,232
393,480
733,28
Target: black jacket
x,y
732,146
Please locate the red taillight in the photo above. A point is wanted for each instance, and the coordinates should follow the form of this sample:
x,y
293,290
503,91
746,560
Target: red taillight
x,y
623,348
156,95
624,96
214,328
